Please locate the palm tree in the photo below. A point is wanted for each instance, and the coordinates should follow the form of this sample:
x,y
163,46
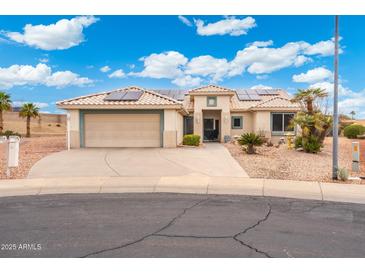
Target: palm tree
x,y
5,105
29,110
307,97
353,113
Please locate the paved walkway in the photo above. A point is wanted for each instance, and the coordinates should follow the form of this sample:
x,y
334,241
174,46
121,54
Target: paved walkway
x,y
212,160
196,184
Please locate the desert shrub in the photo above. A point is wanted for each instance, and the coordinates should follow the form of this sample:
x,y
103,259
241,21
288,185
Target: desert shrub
x,y
191,140
343,174
8,133
250,140
49,125
58,125
298,142
311,144
352,131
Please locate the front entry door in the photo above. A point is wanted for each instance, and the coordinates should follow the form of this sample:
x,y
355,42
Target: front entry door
x,y
211,129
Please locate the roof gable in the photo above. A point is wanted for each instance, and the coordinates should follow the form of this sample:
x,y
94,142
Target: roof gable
x,y
276,102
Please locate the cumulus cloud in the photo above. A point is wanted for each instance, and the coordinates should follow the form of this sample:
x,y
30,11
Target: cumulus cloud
x,y
119,73
313,75
229,26
261,43
41,74
61,35
187,81
324,48
329,87
38,104
185,20
257,58
105,69
207,65
163,65
261,87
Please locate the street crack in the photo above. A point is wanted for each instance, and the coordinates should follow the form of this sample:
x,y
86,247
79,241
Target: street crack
x,y
156,233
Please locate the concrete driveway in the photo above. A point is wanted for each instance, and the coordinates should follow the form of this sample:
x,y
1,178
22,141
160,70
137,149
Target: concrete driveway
x,y
211,160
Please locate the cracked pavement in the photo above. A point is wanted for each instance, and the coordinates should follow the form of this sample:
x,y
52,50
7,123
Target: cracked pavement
x,y
179,225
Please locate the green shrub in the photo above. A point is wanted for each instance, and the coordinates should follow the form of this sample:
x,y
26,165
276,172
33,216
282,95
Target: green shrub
x,y
298,142
311,144
191,140
250,140
343,174
352,131
8,133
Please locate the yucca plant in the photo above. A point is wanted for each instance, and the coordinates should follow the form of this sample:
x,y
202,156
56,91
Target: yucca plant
x,y
29,110
250,140
5,105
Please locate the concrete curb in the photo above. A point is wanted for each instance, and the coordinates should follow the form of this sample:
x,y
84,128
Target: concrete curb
x,y
195,184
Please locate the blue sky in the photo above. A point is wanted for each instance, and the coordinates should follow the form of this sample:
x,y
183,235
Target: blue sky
x,y
44,59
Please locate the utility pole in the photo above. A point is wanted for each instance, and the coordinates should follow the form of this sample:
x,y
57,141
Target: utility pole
x,y
335,108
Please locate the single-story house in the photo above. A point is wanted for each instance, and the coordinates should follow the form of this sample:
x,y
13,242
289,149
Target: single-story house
x,y
138,117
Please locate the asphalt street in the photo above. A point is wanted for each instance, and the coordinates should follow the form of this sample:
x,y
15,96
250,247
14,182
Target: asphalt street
x,y
178,225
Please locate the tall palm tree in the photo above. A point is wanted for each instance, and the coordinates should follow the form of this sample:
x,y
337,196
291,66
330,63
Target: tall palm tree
x,y
29,110
5,105
307,97
353,113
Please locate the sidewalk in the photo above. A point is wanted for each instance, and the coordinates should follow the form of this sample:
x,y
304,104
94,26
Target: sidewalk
x,y
195,184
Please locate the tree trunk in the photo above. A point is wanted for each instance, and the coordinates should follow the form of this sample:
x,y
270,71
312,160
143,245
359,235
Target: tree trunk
x,y
310,106
28,127
1,122
250,149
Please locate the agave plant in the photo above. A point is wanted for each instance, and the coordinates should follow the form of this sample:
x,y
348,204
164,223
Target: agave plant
x,y
250,140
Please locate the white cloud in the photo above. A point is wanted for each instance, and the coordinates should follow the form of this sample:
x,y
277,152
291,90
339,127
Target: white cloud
x,y
105,69
324,48
38,104
185,20
301,60
261,87
354,102
255,59
164,65
230,25
119,73
43,60
261,43
41,74
207,65
63,34
262,76
187,81
313,76
329,87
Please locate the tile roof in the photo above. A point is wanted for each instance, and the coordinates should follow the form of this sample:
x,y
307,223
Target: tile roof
x,y
148,98
210,88
276,102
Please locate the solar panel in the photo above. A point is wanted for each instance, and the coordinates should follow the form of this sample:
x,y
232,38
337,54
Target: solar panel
x,y
262,92
123,95
114,96
254,97
132,95
243,97
174,94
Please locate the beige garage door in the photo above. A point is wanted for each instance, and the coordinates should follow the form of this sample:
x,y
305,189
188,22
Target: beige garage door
x,y
122,130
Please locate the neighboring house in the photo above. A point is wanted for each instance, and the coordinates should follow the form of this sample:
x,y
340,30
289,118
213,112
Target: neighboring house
x,y
137,117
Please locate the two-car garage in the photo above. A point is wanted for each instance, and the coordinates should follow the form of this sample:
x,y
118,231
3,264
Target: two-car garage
x,y
122,130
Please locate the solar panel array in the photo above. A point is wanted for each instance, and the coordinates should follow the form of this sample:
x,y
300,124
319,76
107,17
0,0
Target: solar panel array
x,y
248,95
267,91
123,95
174,94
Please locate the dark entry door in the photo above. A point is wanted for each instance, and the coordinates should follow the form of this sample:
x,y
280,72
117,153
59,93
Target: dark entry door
x,y
211,129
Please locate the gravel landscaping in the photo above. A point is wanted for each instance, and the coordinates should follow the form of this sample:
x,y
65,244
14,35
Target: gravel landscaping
x,y
282,163
31,150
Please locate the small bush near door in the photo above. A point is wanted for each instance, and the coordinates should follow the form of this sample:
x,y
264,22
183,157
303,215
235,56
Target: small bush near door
x,y
191,140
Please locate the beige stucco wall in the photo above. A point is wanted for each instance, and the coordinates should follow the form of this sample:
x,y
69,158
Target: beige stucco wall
x,y
74,128
261,122
247,125
173,128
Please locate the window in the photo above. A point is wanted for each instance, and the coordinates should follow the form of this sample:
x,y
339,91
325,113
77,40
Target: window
x,y
237,122
280,122
208,124
211,101
188,125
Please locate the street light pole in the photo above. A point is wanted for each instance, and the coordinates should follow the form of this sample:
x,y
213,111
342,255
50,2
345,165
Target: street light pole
x,y
335,108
